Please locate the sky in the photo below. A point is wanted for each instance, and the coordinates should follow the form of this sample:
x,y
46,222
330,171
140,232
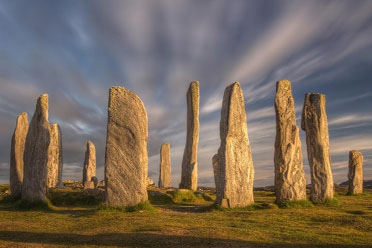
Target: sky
x,y
76,50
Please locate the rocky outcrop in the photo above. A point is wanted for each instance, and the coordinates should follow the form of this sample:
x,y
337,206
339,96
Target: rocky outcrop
x,y
89,169
233,164
165,166
355,175
189,176
55,157
17,153
290,182
314,123
126,149
34,187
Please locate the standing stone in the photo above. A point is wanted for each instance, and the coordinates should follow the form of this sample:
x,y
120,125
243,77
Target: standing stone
x,y
314,123
290,182
88,185
34,187
89,169
215,169
55,160
165,166
355,172
189,176
233,164
126,149
17,153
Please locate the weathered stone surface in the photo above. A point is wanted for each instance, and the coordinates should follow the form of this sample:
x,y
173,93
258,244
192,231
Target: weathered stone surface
x,y
101,184
17,153
89,185
215,169
150,182
290,182
165,166
126,149
189,176
55,157
89,169
314,122
34,187
233,164
355,172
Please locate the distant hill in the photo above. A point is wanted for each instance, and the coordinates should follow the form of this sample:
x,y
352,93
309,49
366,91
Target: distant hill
x,y
366,183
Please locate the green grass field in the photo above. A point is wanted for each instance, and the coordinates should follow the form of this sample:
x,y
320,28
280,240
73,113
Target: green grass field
x,y
179,219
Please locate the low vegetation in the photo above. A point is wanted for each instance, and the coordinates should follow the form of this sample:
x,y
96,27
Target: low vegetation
x,y
174,218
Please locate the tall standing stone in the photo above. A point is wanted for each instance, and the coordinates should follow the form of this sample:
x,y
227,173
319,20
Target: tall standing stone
x,y
55,157
290,182
126,149
189,176
314,123
34,187
89,169
17,153
233,165
355,172
165,166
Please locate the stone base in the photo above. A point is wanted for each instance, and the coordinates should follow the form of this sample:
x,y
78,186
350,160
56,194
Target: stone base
x,y
89,185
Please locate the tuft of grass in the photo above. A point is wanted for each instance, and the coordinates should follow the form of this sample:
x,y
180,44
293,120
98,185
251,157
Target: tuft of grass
x,y
296,204
9,199
251,207
334,202
34,205
143,206
182,196
146,206
74,198
156,197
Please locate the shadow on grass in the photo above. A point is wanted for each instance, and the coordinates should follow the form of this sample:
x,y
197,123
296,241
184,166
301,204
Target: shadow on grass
x,y
356,212
17,205
139,240
189,208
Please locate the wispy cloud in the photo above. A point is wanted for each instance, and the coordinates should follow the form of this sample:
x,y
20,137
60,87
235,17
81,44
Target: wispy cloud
x,y
76,51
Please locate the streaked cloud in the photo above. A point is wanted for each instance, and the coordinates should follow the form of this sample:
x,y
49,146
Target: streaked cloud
x,y
75,51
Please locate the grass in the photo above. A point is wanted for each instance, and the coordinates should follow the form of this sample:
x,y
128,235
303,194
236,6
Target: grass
x,y
70,197
296,204
186,196
334,202
177,222
143,206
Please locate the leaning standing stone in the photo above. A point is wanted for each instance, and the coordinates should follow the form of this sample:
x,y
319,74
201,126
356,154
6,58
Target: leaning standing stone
x,y
290,183
189,176
34,187
55,163
17,153
314,123
89,169
233,163
355,172
165,166
126,149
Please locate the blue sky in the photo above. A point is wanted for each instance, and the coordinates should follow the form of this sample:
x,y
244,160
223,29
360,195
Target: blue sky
x,y
75,50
